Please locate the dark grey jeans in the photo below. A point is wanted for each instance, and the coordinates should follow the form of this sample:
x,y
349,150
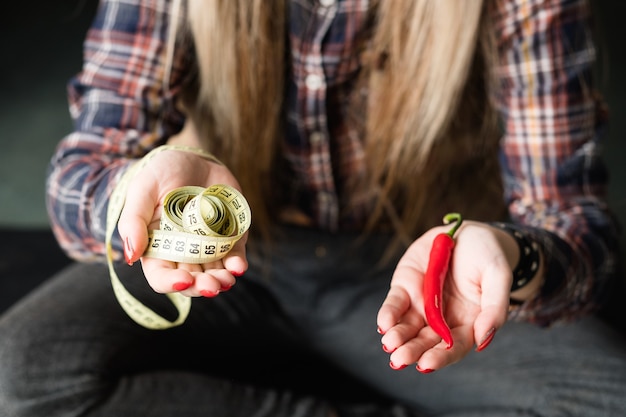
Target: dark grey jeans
x,y
294,336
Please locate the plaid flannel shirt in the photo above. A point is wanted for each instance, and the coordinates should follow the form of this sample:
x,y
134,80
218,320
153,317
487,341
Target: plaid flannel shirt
x,y
555,180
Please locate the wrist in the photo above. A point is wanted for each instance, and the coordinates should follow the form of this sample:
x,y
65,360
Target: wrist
x,y
527,274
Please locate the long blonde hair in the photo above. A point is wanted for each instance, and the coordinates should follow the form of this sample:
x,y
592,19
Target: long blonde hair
x,y
423,58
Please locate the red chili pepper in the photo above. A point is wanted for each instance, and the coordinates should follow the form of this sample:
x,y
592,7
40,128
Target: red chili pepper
x,y
436,272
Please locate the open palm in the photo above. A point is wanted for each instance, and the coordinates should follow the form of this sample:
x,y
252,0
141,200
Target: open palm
x,y
475,298
142,211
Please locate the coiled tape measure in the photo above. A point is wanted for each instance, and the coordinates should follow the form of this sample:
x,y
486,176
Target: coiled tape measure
x,y
198,225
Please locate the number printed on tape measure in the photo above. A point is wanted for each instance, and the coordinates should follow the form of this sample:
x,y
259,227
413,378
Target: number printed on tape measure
x,y
187,247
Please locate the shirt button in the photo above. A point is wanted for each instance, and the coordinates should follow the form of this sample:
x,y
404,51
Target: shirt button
x,y
327,3
324,198
313,82
316,137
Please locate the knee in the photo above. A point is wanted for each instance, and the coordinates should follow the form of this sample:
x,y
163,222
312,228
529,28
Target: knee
x,y
13,357
25,366
39,375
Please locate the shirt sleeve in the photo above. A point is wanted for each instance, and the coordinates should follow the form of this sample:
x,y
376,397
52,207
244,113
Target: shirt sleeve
x,y
120,113
555,178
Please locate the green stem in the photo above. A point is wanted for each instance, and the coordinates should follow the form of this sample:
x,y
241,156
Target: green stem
x,y
450,217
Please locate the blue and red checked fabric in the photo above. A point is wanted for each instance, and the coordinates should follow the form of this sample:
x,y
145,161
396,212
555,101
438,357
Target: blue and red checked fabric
x,y
555,179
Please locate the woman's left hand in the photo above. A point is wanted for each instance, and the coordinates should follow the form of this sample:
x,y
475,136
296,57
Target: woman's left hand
x,y
475,297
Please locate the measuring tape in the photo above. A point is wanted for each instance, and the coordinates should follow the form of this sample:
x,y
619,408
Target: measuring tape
x,y
198,225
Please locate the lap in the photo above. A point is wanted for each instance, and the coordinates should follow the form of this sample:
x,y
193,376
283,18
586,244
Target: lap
x,y
70,345
577,367
319,300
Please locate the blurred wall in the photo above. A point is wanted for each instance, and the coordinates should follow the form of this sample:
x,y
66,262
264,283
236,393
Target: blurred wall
x,y
41,48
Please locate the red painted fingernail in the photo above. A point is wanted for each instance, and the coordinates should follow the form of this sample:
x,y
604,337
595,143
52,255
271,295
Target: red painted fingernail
x,y
379,330
424,371
236,273
386,349
396,367
181,286
208,294
225,288
128,251
486,339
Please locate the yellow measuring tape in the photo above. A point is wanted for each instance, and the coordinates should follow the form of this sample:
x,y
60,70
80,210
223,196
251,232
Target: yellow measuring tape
x,y
198,225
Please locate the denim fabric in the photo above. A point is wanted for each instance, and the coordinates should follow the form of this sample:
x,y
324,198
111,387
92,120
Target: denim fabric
x,y
294,337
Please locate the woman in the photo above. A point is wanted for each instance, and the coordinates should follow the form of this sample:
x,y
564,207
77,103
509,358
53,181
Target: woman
x,y
351,128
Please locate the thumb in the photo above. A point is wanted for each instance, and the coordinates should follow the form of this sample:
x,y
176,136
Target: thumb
x,y
486,325
136,216
494,305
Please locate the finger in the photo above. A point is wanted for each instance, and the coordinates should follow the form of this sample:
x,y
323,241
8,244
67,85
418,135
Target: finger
x,y
401,333
135,218
215,271
206,280
494,303
165,276
393,308
185,286
236,261
210,283
439,356
415,348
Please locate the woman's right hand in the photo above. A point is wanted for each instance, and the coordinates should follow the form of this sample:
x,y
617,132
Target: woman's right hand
x,y
168,170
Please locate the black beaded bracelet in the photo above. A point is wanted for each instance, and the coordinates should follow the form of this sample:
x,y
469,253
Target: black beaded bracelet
x,y
528,263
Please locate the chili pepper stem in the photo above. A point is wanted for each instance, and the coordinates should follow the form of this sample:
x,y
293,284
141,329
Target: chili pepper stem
x,y
453,217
